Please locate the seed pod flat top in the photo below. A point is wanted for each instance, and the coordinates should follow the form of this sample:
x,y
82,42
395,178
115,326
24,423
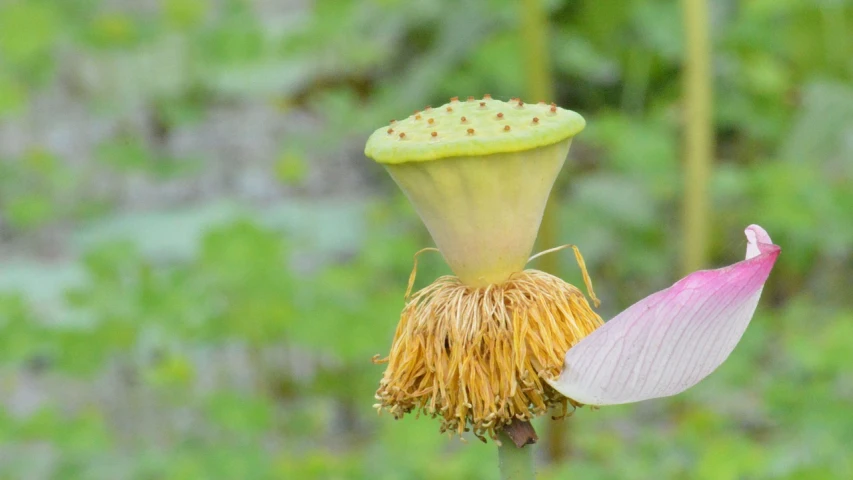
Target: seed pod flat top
x,y
472,127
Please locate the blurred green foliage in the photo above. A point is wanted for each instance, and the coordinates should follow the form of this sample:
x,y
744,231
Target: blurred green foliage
x,y
249,357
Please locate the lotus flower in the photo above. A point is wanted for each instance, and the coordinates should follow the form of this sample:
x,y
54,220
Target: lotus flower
x,y
496,343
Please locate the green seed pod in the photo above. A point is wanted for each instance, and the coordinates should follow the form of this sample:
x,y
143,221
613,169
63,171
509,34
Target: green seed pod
x,y
479,173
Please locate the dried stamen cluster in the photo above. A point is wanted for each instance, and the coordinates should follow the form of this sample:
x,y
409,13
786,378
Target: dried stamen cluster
x,y
477,357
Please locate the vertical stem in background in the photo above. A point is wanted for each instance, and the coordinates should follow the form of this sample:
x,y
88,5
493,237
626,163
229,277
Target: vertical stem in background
x,y
534,39
534,36
698,146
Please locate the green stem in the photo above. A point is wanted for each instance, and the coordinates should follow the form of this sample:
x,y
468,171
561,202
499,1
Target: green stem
x,y
515,463
699,134
534,34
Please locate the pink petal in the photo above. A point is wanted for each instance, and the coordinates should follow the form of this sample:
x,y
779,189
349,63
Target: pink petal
x,y
672,339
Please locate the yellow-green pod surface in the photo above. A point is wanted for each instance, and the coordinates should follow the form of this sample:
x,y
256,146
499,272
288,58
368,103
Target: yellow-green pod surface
x,y
472,127
479,172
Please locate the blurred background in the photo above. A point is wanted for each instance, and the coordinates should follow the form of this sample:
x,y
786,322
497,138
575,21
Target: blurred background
x,y
197,262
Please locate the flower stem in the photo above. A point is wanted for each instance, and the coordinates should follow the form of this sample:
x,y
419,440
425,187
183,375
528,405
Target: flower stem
x,y
534,32
515,454
516,463
698,134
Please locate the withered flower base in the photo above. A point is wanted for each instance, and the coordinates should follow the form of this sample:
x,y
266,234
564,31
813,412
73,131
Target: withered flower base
x,y
477,356
478,349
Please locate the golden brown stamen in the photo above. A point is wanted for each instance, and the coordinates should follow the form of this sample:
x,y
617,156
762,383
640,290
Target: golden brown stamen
x,y
477,357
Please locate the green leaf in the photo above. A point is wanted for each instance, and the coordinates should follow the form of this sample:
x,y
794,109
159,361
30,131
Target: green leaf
x,y
29,28
291,167
185,13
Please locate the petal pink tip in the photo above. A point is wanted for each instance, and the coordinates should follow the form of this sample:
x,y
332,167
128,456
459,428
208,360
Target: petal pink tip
x,y
758,241
672,339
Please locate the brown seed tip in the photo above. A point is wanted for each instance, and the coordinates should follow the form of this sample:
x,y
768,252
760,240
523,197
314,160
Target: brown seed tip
x,y
431,121
482,104
454,99
434,134
506,128
470,131
520,103
553,104
390,131
535,120
487,96
392,122
449,109
553,109
428,108
417,117
464,119
402,135
470,99
500,115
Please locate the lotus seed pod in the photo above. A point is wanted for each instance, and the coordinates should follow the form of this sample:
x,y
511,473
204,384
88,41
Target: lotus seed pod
x,y
479,174
477,349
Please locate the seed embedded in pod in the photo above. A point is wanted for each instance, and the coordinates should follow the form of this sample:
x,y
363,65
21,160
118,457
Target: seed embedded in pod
x,y
506,128
431,121
402,135
434,134
390,131
470,131
500,115
464,120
